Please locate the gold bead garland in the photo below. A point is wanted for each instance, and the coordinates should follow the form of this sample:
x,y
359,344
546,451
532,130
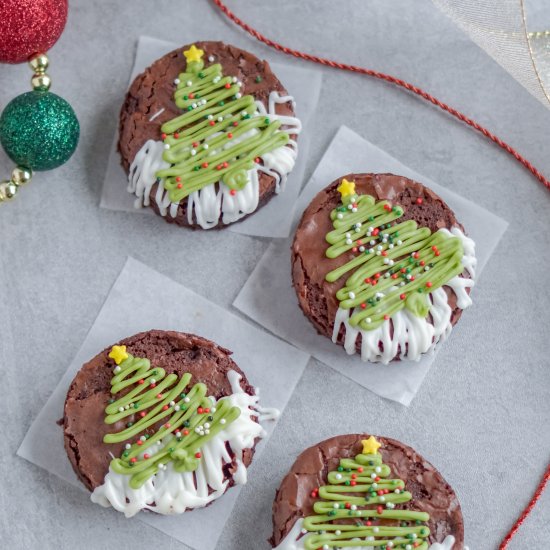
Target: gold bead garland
x,y
40,81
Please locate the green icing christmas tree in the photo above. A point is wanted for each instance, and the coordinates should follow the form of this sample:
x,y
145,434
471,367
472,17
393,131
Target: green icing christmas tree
x,y
219,136
360,507
394,264
182,419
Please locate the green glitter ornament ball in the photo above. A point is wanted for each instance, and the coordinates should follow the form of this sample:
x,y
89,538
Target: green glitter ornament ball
x,y
39,130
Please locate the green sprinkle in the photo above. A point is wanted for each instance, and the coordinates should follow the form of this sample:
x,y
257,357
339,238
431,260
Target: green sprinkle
x,y
258,79
266,120
221,103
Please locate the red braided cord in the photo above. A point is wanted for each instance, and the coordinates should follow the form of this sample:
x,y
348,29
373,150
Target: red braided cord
x,y
387,78
441,105
538,493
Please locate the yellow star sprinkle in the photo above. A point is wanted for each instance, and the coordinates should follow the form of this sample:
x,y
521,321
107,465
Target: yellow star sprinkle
x,y
193,54
370,445
118,353
346,188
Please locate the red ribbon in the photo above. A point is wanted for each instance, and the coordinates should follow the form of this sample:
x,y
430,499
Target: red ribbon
x,y
457,114
388,78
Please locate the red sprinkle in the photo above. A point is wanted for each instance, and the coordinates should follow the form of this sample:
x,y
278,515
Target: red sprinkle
x,y
225,164
422,262
353,483
185,432
205,165
200,410
429,284
179,186
163,136
386,317
207,410
384,253
165,408
437,253
191,95
197,455
176,135
228,85
178,178
354,249
394,276
211,123
232,192
377,275
235,123
141,381
133,460
139,442
167,425
159,395
380,509
229,135
195,144
257,160
402,296
348,505
375,231
363,306
146,456
142,414
360,469
418,200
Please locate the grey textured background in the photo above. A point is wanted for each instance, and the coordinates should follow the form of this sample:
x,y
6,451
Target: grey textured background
x,y
482,415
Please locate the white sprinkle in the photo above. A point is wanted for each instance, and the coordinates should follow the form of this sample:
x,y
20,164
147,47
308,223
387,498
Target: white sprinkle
x,y
348,235
348,241
205,146
121,409
378,253
210,58
386,261
176,81
353,507
177,408
373,476
186,400
374,485
382,499
167,146
117,369
409,276
152,381
337,532
376,529
206,432
210,117
390,246
399,243
427,268
368,320
354,209
193,152
379,247
189,83
194,105
338,476
127,446
172,403
222,421
206,425
340,215
238,95
220,119
371,229
335,506
391,263
213,409
358,224
373,242
352,295
361,249
234,79
178,434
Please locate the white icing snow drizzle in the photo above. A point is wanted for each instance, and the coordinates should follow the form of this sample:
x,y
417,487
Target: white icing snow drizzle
x,y
214,202
412,336
296,537
170,492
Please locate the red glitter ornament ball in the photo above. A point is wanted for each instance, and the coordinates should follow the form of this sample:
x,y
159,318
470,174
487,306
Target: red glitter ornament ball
x,y
29,27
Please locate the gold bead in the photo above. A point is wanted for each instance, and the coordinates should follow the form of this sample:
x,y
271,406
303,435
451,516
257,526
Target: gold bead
x,y
41,82
39,63
8,190
21,175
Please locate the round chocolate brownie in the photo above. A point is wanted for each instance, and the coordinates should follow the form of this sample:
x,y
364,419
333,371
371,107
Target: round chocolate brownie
x,y
146,423
381,265
359,487
207,135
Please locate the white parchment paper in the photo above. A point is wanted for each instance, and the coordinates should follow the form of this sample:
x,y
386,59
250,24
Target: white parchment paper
x,y
142,299
273,219
269,299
